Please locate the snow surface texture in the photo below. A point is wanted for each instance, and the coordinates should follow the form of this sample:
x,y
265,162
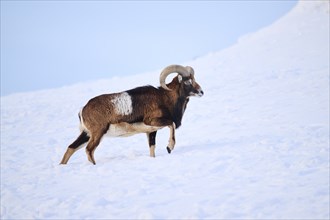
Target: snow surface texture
x,y
255,146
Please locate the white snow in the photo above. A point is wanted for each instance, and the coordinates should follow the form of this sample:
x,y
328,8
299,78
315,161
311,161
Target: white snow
x,y
255,146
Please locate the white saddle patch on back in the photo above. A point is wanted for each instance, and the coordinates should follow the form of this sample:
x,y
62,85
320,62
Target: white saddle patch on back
x,y
123,103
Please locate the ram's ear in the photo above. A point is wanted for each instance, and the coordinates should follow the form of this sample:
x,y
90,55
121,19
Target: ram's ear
x,y
180,78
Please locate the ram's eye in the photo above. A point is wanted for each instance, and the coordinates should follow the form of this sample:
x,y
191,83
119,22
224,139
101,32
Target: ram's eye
x,y
188,82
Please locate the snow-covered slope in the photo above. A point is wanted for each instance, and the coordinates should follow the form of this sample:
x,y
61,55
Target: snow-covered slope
x,y
255,146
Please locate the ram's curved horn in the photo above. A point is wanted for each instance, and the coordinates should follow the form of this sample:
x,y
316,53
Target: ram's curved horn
x,y
183,71
190,70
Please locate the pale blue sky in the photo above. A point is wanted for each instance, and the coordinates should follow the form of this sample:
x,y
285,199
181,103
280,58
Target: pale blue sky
x,y
48,44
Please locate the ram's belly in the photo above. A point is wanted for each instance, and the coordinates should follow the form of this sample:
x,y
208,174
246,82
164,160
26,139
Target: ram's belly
x,y
125,129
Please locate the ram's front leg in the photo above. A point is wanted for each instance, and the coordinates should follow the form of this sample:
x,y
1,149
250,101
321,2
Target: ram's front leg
x,y
152,143
171,141
162,122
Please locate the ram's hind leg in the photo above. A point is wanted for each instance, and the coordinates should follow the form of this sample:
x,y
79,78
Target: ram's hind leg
x,y
93,143
76,145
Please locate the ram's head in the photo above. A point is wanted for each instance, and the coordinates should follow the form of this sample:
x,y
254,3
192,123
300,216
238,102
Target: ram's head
x,y
185,77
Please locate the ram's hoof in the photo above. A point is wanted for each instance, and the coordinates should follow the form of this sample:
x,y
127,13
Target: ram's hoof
x,y
168,150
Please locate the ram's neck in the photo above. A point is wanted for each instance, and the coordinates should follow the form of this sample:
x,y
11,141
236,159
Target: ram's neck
x,y
178,110
177,101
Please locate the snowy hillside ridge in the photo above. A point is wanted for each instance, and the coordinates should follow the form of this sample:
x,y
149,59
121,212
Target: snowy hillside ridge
x,y
255,146
319,6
